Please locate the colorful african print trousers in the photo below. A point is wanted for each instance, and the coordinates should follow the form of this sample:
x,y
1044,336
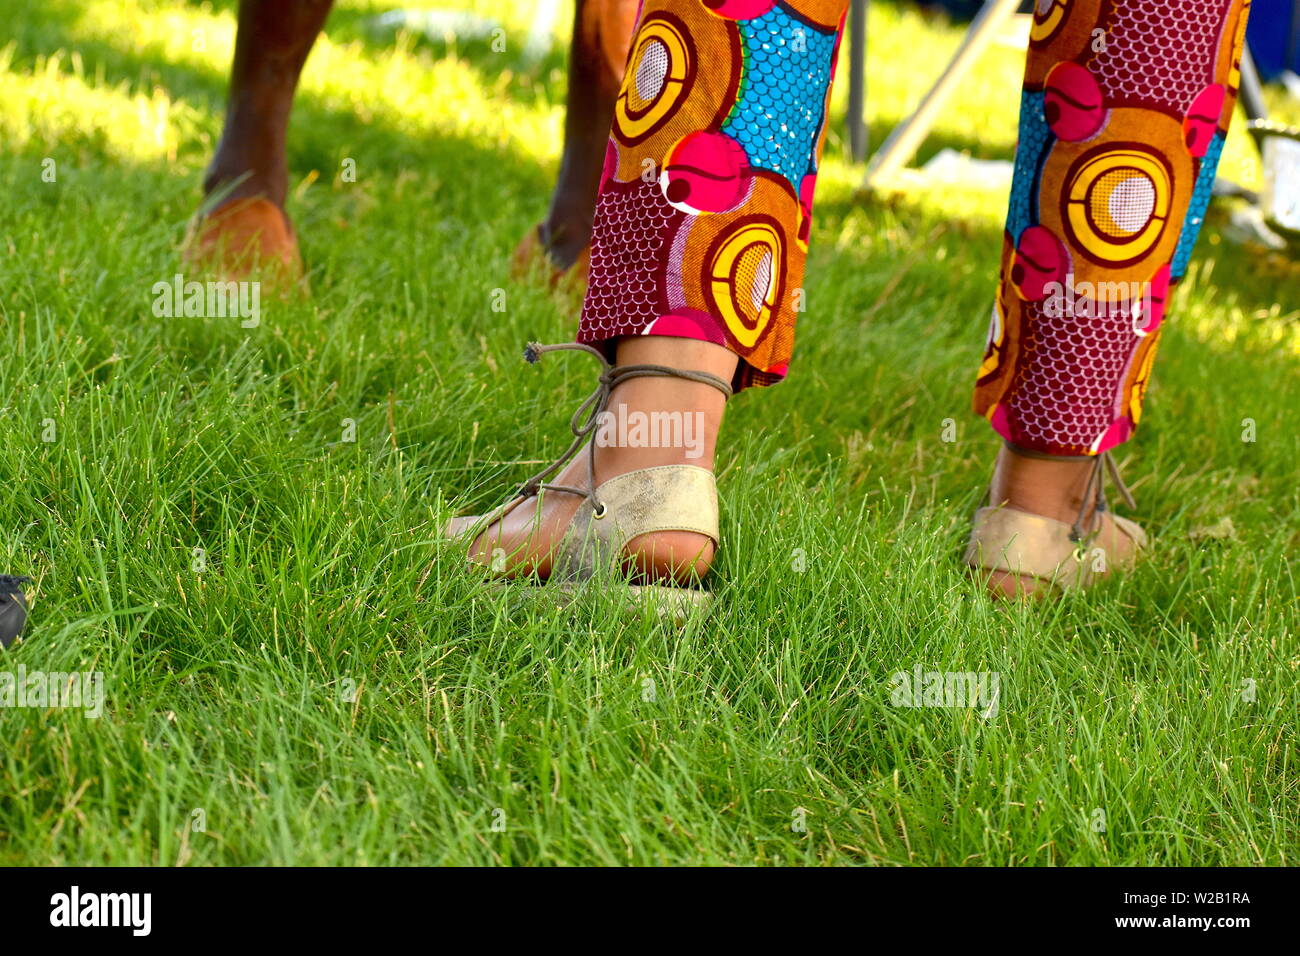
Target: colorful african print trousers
x,y
704,208
703,216
1123,116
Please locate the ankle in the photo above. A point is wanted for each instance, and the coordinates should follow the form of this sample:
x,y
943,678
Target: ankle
x,y
237,179
649,427
249,163
662,420
1054,488
562,242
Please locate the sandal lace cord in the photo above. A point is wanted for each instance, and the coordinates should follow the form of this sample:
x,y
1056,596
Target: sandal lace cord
x,y
587,416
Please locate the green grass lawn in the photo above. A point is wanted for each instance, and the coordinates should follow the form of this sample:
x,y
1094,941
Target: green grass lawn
x,y
322,683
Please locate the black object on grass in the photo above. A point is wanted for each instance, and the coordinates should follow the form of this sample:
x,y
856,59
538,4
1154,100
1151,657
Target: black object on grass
x,y
13,608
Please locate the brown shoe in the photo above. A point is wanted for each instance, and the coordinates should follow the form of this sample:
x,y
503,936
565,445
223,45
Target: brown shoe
x,y
241,237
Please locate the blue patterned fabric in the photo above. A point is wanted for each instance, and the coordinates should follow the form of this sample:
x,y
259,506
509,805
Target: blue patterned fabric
x,y
778,114
1035,142
1197,207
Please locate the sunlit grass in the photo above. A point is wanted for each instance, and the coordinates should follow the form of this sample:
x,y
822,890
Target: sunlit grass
x,y
56,103
409,89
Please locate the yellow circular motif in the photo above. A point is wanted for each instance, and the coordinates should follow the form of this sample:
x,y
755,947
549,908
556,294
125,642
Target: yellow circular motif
x,y
1117,204
1139,389
657,80
1047,22
744,280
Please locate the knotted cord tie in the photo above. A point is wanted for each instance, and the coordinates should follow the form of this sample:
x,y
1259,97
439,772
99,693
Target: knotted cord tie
x,y
587,416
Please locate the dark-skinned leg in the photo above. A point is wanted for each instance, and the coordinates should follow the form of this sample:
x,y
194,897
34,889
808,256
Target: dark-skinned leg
x,y
248,178
602,35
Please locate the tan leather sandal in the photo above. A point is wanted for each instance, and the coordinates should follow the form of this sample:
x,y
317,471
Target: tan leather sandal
x,y
648,500
1066,556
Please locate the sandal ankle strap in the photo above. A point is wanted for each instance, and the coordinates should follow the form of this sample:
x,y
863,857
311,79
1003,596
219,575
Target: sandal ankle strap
x,y
587,416
1096,488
